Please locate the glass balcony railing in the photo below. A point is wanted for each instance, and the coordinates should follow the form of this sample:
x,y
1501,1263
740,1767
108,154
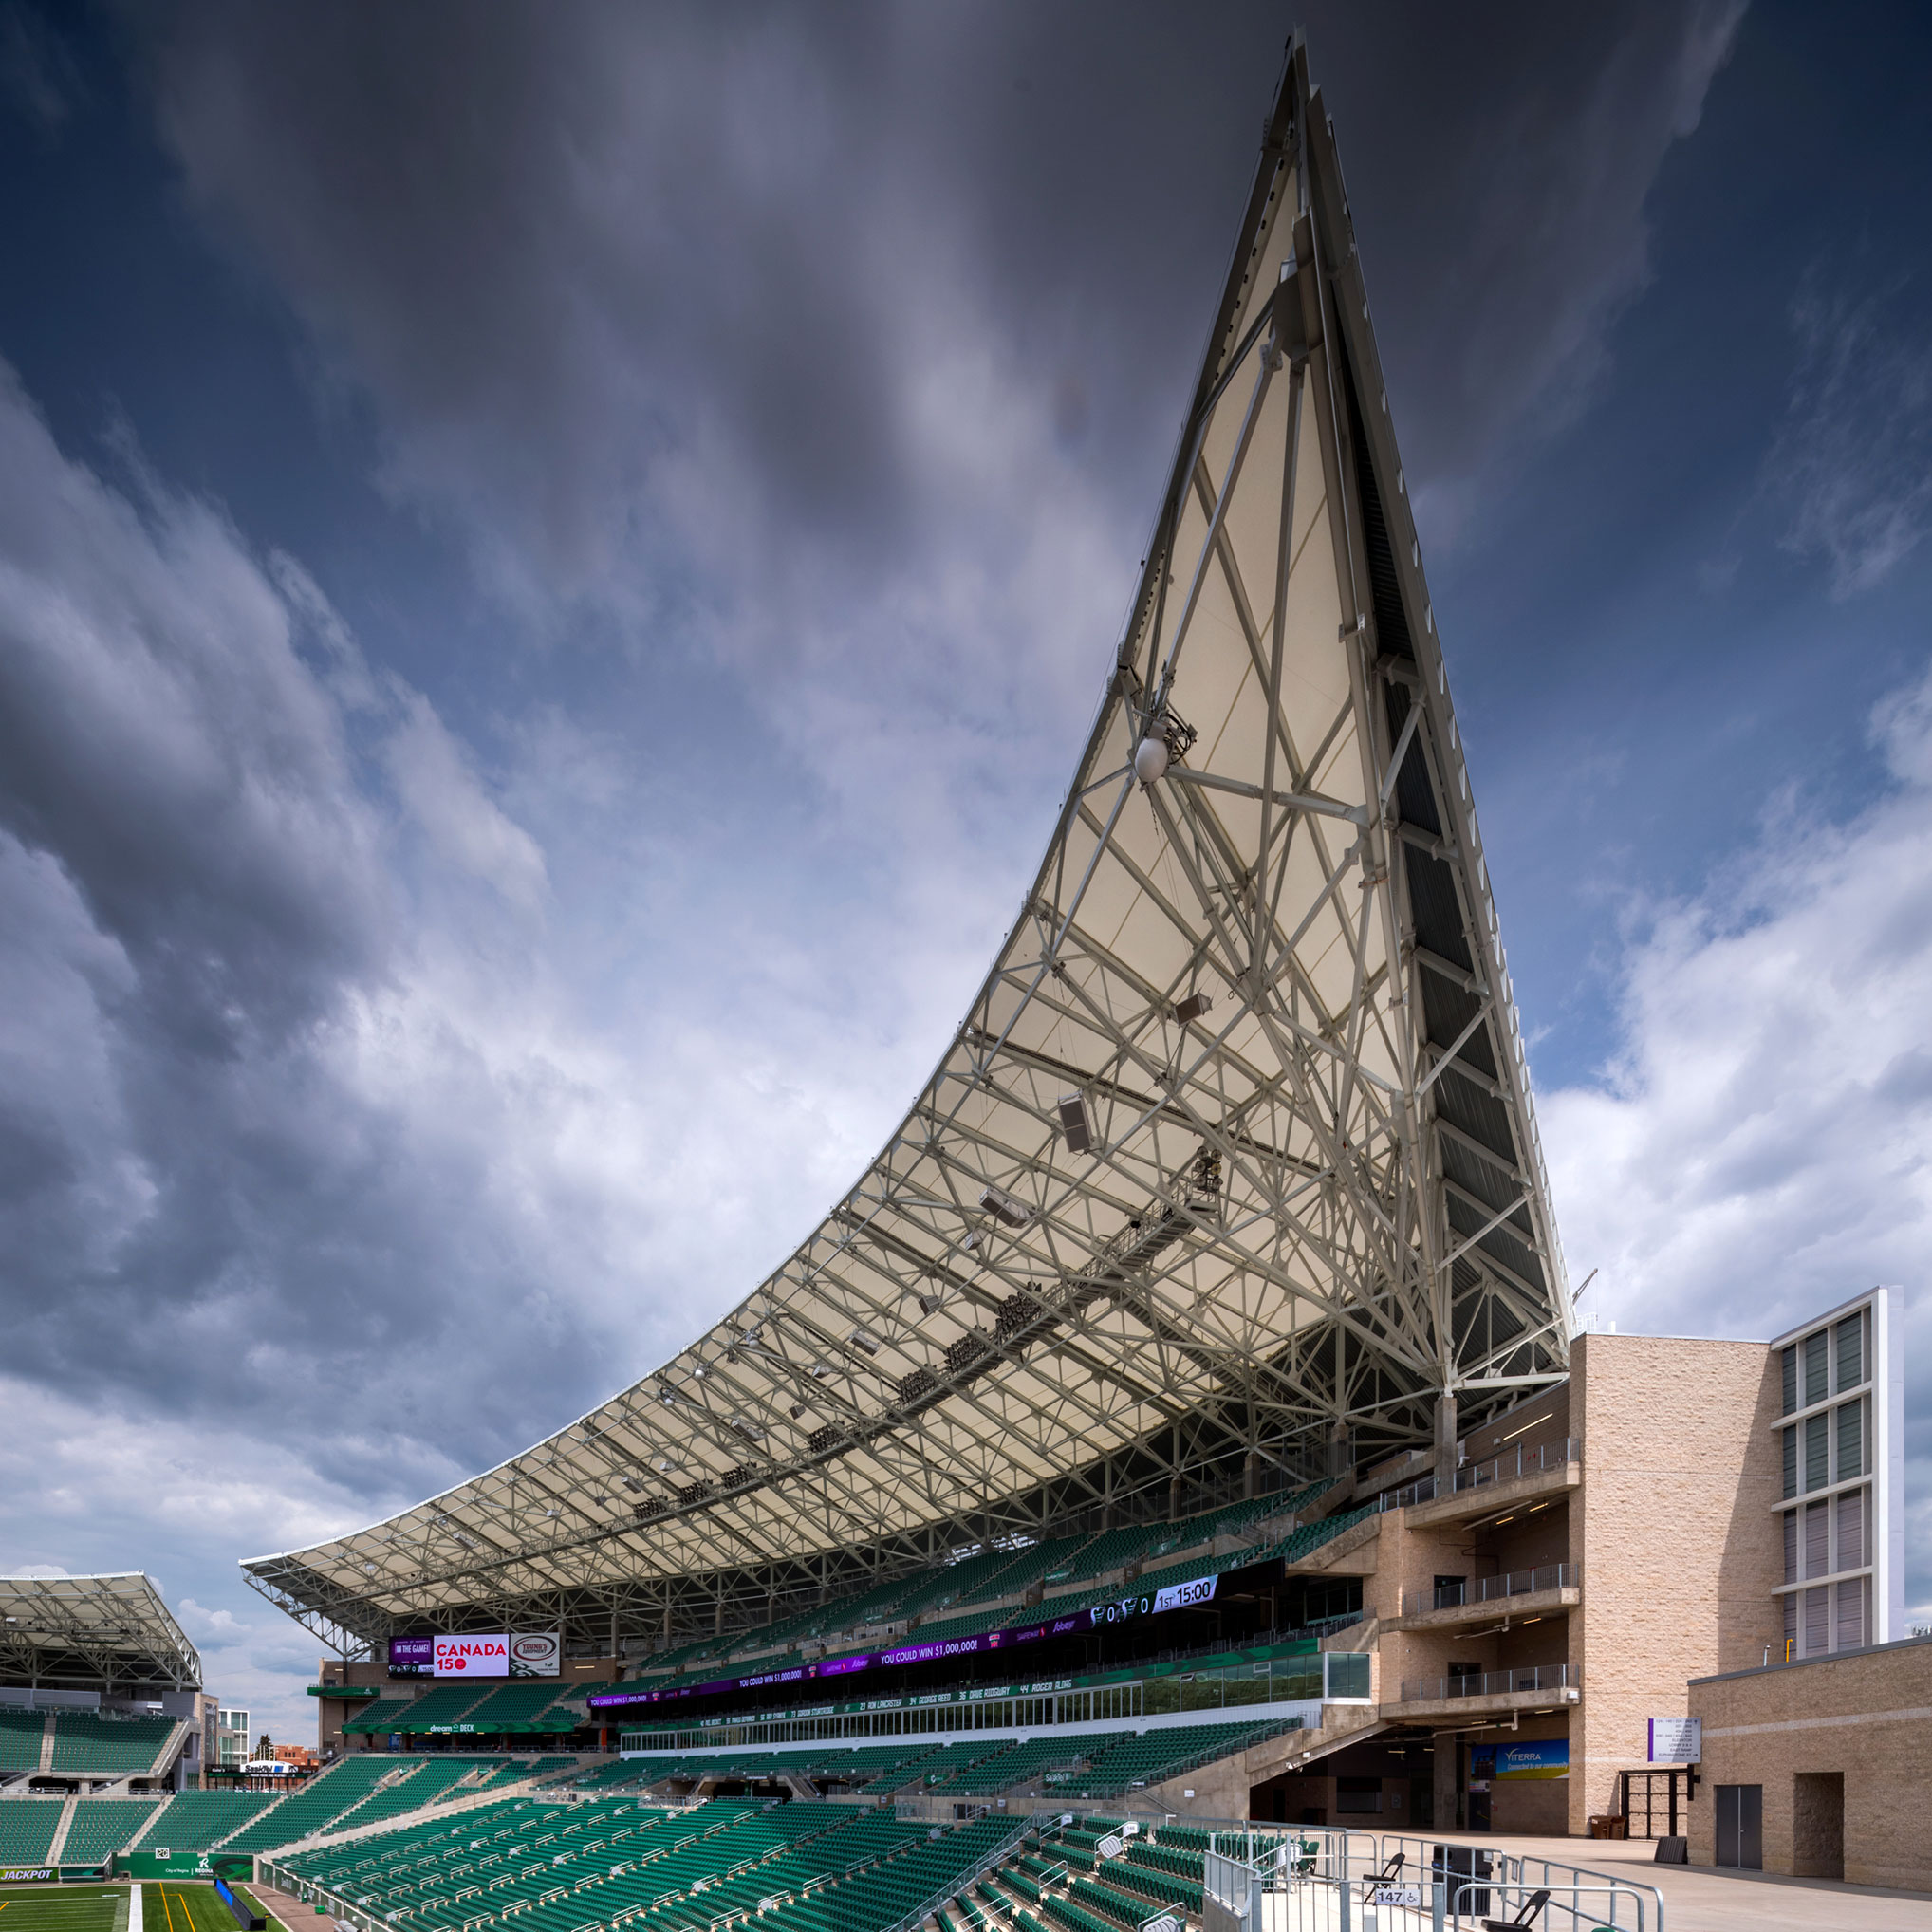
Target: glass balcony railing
x,y
1475,1591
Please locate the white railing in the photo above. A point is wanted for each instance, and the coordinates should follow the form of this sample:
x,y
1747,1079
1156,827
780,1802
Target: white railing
x,y
1490,1589
1317,1879
1494,1683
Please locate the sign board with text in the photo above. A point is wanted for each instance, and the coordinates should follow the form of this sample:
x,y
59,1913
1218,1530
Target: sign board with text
x,y
1675,1740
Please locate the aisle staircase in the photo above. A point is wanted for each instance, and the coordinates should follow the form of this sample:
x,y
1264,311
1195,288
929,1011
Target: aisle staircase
x,y
59,1842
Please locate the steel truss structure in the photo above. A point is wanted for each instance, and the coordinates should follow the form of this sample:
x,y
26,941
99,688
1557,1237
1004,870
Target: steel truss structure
x,y
1231,1170
105,1633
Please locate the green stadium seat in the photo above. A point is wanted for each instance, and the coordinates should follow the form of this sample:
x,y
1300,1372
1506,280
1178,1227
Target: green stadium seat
x,y
27,1828
108,1747
102,1826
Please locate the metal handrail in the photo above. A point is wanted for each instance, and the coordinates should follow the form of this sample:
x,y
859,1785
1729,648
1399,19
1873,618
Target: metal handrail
x,y
1563,1898
1484,1590
1504,1468
1494,1683
1520,1462
1023,1827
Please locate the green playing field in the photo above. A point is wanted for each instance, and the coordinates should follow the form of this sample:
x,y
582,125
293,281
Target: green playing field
x,y
66,1909
172,1907
95,1908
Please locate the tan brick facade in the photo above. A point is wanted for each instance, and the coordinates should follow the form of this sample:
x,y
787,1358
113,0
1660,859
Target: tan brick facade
x,y
1841,1749
1671,1519
1676,1531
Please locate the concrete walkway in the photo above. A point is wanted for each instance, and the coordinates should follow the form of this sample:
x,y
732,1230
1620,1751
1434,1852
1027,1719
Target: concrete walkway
x,y
1698,1898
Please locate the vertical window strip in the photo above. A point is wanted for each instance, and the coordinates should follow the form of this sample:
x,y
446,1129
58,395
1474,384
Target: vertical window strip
x,y
1850,1339
1789,1368
1790,1463
1790,1625
1791,1545
1817,1366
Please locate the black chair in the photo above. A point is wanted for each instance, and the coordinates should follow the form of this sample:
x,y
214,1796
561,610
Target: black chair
x,y
1386,1875
1526,1915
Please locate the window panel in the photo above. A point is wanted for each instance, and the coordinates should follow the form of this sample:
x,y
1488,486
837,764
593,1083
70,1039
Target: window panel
x,y
1849,1336
1817,1452
1790,1625
1817,1363
1818,1621
1790,1461
1789,1370
1850,1632
1851,1529
1791,1545
1850,1441
1818,1540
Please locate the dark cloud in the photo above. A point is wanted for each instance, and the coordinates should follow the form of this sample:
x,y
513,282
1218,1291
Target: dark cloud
x,y
603,268
201,912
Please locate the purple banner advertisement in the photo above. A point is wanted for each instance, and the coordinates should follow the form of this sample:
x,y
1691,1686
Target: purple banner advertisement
x,y
1178,1596
412,1656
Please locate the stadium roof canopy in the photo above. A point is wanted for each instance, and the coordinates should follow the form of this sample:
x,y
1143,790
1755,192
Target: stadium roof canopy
x,y
1231,1166
92,1633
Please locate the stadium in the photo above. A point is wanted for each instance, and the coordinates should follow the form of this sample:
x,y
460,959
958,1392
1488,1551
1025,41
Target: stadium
x,y
1178,1452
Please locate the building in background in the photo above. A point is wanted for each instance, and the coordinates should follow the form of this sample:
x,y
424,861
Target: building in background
x,y
231,1733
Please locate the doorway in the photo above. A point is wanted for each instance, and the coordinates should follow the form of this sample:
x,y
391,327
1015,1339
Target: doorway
x,y
1818,1824
1740,1826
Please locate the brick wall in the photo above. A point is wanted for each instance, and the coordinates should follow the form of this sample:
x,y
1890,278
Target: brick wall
x,y
1863,1717
1676,1531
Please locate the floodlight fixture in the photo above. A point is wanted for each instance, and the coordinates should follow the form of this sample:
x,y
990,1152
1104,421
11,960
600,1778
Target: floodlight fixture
x,y
859,1338
1189,1009
1075,1125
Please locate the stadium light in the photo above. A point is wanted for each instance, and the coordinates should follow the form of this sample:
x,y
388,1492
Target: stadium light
x,y
1075,1125
1189,1009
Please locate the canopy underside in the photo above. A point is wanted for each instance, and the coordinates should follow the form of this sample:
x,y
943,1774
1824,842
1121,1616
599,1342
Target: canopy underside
x,y
1233,1161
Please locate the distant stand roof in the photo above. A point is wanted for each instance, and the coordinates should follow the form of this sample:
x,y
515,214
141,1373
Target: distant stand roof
x,y
105,1633
1233,1150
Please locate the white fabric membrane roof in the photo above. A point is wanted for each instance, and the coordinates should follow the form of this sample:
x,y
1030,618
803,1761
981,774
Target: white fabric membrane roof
x,y
1234,1148
92,1633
